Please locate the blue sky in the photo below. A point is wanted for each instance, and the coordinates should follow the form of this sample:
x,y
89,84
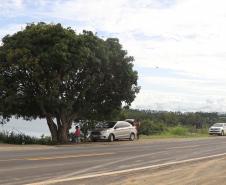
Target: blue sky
x,y
179,46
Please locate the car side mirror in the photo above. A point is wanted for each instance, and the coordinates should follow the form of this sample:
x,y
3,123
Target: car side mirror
x,y
116,127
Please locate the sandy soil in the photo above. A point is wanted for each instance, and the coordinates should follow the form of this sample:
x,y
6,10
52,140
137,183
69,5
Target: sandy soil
x,y
210,172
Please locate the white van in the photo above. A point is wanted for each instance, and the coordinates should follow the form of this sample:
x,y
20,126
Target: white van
x,y
218,128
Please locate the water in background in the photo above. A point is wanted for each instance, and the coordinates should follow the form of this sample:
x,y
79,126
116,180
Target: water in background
x,y
34,128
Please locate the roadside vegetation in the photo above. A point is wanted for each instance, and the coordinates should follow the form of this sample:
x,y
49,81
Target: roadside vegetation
x,y
154,124
163,124
15,138
178,132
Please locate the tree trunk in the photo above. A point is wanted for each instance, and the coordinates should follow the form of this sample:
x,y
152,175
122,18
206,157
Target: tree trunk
x,y
52,128
62,134
59,130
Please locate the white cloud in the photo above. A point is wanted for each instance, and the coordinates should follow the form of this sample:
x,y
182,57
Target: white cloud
x,y
8,8
155,100
186,36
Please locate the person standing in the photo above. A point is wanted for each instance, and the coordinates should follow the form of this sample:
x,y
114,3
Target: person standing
x,y
137,125
77,134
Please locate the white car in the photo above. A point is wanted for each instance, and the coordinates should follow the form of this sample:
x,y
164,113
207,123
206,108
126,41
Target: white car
x,y
113,130
218,128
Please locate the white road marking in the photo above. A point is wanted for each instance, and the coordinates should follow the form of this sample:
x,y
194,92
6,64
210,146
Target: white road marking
x,y
47,182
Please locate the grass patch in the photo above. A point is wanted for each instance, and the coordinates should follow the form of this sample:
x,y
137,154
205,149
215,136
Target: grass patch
x,y
179,132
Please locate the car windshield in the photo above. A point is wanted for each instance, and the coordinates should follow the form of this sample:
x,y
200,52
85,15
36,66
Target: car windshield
x,y
218,125
108,124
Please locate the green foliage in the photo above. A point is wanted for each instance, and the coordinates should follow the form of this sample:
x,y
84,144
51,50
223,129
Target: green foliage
x,y
45,140
178,131
197,120
149,127
166,123
14,138
51,72
2,137
47,68
85,126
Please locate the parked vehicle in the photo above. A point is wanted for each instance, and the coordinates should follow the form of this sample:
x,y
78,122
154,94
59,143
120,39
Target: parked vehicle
x,y
113,130
131,121
136,123
218,128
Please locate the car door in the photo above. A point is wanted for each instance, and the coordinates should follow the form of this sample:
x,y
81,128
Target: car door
x,y
126,130
118,130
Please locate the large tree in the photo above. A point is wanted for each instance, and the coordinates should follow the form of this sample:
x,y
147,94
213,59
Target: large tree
x,y
47,71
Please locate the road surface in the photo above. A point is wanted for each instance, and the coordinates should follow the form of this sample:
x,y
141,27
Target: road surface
x,y
102,163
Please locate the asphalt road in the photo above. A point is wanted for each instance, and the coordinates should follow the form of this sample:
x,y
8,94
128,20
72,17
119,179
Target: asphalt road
x,y
99,163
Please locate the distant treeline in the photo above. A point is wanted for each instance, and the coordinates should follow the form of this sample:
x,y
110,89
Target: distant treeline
x,y
158,121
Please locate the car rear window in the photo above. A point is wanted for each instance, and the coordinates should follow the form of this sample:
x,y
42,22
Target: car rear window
x,y
107,124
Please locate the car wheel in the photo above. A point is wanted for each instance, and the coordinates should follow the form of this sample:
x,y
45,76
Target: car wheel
x,y
222,133
111,138
132,137
93,139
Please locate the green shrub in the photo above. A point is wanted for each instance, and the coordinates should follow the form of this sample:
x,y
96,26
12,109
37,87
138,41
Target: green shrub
x,y
149,127
2,137
203,131
45,140
194,130
178,131
14,138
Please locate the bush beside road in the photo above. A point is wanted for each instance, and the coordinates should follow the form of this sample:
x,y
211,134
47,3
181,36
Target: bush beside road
x,y
15,138
174,132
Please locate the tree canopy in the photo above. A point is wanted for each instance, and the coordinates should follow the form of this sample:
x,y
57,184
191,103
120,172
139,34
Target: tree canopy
x,y
48,71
